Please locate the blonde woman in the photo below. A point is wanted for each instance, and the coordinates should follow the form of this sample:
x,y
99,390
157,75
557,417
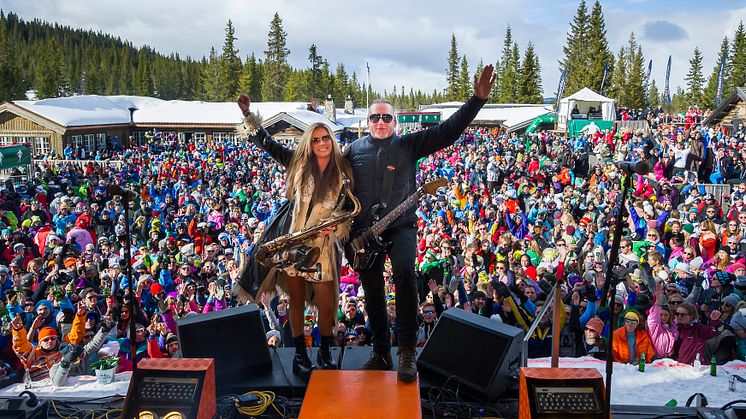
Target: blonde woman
x,y
315,174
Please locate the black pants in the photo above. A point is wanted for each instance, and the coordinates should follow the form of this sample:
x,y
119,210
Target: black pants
x,y
402,255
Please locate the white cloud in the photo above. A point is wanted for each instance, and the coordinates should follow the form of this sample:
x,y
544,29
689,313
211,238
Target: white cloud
x,y
406,42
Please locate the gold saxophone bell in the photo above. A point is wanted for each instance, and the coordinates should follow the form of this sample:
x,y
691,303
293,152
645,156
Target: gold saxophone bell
x,y
291,249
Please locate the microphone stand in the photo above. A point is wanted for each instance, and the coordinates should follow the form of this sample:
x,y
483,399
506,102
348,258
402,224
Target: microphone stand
x,y
609,291
128,271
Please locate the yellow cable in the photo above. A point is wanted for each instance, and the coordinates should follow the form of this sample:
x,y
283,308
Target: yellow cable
x,y
266,399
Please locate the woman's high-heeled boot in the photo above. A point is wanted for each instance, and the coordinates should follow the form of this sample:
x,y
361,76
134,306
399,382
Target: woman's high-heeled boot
x,y
324,356
302,365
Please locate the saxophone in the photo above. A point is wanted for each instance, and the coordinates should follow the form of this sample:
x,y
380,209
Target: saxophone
x,y
290,249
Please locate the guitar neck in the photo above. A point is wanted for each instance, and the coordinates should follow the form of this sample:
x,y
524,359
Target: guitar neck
x,y
386,221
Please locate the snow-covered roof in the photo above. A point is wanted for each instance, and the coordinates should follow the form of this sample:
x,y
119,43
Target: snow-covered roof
x,y
107,110
87,110
510,117
587,95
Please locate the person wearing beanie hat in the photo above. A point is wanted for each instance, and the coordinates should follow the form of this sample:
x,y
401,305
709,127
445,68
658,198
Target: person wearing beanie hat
x,y
594,343
274,338
728,306
156,288
738,323
46,354
631,341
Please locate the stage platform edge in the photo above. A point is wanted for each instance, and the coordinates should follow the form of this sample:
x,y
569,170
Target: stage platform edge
x,y
368,394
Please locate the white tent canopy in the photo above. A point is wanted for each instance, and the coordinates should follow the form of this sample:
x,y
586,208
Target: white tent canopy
x,y
584,100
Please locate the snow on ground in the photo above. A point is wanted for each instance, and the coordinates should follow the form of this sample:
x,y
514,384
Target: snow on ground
x,y
83,387
662,381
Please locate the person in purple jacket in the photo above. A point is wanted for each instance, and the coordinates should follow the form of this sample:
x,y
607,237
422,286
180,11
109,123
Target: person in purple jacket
x,y
692,333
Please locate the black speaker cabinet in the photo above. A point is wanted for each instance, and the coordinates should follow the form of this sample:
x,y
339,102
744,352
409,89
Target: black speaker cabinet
x,y
234,337
479,353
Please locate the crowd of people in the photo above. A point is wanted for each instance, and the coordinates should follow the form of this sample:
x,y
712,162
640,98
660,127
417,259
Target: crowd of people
x,y
519,214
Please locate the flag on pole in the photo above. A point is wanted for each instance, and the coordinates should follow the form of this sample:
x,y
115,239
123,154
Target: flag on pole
x,y
647,81
367,88
560,87
719,93
603,78
667,91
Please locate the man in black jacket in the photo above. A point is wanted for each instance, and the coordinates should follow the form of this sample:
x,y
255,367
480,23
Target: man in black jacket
x,y
384,166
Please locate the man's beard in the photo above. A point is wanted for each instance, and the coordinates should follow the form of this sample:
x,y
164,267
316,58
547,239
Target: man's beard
x,y
591,341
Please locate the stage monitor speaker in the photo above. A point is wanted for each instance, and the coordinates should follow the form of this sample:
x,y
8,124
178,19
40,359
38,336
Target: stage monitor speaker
x,y
234,337
171,388
481,354
561,393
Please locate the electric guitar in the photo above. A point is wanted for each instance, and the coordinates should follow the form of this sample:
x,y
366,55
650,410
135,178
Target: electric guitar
x,y
361,252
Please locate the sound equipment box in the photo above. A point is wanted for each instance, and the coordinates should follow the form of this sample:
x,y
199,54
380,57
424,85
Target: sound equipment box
x,y
561,393
235,338
481,354
171,388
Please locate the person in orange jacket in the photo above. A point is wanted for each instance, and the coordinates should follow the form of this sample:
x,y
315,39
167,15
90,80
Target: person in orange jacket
x,y
631,341
40,359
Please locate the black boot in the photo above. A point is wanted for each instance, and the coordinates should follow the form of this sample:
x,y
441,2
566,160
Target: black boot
x,y
407,371
302,365
324,356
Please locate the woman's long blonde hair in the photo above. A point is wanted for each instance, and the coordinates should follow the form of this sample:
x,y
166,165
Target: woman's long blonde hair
x,y
304,163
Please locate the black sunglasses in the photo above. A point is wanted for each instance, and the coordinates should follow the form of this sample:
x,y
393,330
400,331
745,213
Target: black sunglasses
x,y
326,138
379,116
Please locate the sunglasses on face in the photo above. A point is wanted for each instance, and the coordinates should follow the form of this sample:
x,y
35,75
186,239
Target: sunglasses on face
x,y
630,321
374,118
428,312
326,138
681,314
674,302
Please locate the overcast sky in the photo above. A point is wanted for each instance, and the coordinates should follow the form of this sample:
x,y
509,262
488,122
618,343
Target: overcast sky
x,y
405,42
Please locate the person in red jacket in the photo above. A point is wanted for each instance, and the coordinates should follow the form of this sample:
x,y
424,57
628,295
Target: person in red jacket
x,y
631,341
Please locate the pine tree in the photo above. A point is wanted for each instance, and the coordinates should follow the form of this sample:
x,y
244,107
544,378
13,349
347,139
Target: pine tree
x,y
230,66
708,96
529,87
576,52
50,79
11,78
464,86
598,46
143,77
315,77
251,79
694,79
210,80
275,69
342,83
452,71
93,83
618,83
506,92
737,75
297,86
636,77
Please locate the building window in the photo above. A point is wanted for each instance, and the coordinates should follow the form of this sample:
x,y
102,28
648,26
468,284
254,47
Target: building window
x,y
219,136
77,141
199,136
6,140
139,137
41,146
90,144
101,141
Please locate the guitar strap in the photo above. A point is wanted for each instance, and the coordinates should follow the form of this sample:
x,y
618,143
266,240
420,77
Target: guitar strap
x,y
387,186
